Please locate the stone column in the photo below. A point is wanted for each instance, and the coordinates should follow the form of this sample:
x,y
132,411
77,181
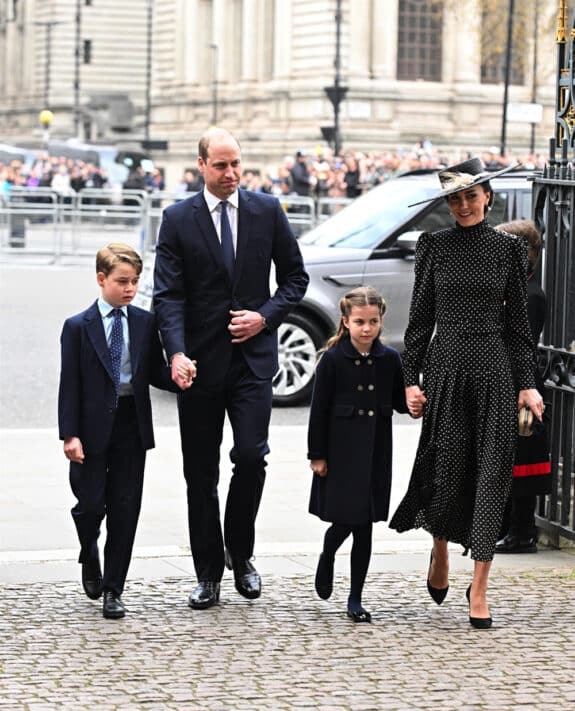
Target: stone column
x,y
189,54
384,39
282,34
360,43
251,40
220,36
462,44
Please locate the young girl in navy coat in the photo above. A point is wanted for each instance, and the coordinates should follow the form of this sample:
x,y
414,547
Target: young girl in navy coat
x,y
358,384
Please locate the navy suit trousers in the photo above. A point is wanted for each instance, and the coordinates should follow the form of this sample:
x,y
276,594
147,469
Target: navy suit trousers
x,y
110,485
247,400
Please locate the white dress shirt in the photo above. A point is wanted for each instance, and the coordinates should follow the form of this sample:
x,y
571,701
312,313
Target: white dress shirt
x,y
215,211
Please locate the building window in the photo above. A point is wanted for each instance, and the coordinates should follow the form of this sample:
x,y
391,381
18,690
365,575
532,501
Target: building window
x,y
419,40
494,22
87,54
87,2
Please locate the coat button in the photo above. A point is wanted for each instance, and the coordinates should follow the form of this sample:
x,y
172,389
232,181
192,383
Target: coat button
x,y
370,413
370,387
369,361
360,387
358,362
361,412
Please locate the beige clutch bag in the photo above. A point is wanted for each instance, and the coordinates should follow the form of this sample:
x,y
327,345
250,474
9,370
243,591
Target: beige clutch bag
x,y
525,425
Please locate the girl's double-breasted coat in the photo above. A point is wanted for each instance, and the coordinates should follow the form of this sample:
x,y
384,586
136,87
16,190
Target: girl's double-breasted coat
x,y
350,426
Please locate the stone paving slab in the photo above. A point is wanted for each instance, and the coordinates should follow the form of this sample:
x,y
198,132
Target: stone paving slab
x,y
290,650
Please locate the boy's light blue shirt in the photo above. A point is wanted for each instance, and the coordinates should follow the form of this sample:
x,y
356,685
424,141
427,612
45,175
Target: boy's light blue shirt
x,y
126,367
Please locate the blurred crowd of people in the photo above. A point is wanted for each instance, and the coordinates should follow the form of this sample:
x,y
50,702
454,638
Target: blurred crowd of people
x,y
318,173
57,172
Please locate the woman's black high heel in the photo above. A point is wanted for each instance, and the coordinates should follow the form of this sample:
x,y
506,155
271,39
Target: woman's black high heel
x,y
480,623
438,594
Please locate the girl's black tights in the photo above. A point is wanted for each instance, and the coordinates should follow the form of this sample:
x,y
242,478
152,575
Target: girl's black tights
x,y
360,556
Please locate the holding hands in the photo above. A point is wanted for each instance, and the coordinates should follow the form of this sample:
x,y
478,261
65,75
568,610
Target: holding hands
x,y
416,400
183,371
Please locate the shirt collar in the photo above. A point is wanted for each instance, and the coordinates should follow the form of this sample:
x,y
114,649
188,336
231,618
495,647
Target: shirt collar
x,y
377,348
213,201
105,308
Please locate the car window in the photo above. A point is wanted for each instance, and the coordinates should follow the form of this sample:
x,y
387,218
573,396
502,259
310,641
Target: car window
x,y
437,219
497,212
371,217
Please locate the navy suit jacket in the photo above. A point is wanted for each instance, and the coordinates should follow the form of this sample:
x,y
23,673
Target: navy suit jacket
x,y
193,294
86,399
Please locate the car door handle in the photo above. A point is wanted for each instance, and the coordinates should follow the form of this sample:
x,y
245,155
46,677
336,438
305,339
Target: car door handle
x,y
339,282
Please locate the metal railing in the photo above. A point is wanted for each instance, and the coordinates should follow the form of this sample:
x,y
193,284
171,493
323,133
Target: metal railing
x,y
554,214
55,227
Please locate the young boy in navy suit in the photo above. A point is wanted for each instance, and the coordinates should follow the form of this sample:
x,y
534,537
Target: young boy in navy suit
x,y
111,353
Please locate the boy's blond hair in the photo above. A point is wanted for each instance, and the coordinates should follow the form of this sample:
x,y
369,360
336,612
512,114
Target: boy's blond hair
x,y
113,254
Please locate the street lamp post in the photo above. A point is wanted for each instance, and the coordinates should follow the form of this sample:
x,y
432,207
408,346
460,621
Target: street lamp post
x,y
149,70
214,47
46,117
534,81
78,21
336,93
507,76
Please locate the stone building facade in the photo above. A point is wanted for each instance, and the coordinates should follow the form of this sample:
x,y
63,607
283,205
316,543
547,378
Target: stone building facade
x,y
412,68
82,59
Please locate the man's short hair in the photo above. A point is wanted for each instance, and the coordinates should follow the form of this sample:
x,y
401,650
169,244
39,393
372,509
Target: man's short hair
x,y
204,142
112,254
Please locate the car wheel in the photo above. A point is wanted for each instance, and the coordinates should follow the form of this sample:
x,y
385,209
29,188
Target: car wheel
x,y
299,339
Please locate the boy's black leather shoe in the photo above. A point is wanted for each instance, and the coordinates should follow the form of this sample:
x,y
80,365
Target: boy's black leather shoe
x,y
92,579
204,595
513,544
113,608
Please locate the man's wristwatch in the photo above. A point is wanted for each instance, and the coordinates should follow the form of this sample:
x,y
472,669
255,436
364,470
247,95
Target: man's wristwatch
x,y
264,322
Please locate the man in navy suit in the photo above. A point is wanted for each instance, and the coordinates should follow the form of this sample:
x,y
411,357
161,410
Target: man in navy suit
x,y
110,354
213,303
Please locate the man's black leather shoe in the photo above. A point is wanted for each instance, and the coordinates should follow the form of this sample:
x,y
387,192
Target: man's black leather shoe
x,y
206,594
113,606
513,544
92,579
246,577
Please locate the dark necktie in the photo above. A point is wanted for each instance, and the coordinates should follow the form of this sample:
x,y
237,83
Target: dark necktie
x,y
116,341
227,240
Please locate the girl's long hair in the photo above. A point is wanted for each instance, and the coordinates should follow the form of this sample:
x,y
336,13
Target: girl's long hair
x,y
362,296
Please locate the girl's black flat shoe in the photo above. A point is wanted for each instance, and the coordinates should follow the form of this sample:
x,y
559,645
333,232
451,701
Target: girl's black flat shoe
x,y
480,623
324,577
359,615
437,594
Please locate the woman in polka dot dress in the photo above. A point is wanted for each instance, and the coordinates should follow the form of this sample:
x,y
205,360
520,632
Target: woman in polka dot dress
x,y
478,368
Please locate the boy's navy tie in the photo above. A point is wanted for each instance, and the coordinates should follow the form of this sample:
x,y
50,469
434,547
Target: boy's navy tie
x,y
116,341
227,240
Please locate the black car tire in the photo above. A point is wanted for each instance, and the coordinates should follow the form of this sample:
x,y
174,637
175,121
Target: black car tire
x,y
299,339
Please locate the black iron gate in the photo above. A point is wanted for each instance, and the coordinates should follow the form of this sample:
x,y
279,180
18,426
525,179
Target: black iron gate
x,y
554,214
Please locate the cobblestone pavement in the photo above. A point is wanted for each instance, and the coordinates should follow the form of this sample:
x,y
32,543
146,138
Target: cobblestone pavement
x,y
290,650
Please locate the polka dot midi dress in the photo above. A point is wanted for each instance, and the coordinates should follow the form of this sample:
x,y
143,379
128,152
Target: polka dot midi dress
x,y
470,289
